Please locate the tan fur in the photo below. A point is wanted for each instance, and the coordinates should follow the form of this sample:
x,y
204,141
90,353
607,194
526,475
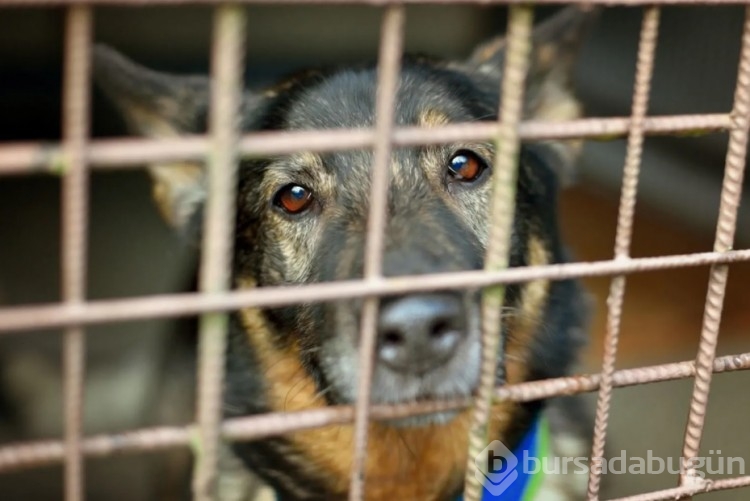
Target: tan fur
x,y
174,184
523,324
554,101
432,118
177,186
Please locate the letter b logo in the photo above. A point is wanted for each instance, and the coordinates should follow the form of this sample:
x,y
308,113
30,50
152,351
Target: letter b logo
x,y
496,468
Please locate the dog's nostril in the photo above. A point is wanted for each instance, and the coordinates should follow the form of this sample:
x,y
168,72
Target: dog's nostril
x,y
439,328
392,338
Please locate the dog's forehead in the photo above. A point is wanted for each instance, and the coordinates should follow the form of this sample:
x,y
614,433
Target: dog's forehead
x,y
346,99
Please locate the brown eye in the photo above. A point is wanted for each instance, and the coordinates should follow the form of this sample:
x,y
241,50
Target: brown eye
x,y
466,166
293,198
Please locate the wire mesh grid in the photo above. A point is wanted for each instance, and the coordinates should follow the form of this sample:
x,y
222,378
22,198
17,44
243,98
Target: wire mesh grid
x,y
76,155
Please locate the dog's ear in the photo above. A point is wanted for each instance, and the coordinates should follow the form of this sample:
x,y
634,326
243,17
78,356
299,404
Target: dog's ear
x,y
160,105
549,85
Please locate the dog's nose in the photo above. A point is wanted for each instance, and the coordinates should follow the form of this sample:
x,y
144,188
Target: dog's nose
x,y
419,333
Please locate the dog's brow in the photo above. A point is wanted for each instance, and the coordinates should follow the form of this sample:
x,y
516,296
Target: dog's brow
x,y
302,168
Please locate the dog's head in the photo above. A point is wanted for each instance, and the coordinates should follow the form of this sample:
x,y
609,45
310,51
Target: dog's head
x,y
302,218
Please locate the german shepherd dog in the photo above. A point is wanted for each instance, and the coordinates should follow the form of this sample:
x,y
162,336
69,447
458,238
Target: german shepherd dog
x,y
301,219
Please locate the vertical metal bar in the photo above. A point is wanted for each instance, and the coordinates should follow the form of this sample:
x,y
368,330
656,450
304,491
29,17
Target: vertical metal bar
x,y
731,193
520,23
75,116
227,62
389,68
644,72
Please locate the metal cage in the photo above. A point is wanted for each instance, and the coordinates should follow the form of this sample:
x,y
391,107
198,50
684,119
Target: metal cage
x,y
76,155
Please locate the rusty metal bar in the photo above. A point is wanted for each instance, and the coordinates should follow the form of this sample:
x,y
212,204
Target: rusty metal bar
x,y
141,3
502,212
626,215
389,68
74,210
227,59
31,454
174,305
731,194
30,157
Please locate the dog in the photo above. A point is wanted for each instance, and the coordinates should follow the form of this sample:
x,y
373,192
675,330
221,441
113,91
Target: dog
x,y
301,219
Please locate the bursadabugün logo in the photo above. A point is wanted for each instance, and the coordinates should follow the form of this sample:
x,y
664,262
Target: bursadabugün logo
x,y
496,468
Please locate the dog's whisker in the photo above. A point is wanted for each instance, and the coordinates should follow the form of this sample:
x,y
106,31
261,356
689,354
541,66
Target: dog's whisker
x,y
322,393
515,358
303,381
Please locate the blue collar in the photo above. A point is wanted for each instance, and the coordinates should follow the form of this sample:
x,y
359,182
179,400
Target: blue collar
x,y
519,483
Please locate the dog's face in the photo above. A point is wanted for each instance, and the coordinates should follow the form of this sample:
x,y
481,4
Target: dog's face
x,y
302,218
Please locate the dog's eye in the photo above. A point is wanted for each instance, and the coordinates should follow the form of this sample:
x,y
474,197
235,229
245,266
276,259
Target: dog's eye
x,y
293,198
466,166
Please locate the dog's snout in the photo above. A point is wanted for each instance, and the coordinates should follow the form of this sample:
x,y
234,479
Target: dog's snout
x,y
419,333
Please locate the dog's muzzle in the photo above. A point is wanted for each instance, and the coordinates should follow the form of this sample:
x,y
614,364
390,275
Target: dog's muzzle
x,y
428,348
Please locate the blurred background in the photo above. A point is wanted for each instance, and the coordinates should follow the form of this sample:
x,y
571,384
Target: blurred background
x,y
139,373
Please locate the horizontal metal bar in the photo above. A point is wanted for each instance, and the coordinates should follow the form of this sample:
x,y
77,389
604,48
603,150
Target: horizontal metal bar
x,y
31,454
688,491
20,318
142,3
19,158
